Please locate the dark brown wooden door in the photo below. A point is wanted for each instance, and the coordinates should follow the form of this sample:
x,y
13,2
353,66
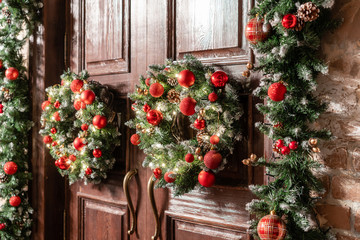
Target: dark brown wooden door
x,y
115,40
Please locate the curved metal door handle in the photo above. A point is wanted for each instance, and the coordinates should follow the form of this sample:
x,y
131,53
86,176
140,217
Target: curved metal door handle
x,y
127,179
151,183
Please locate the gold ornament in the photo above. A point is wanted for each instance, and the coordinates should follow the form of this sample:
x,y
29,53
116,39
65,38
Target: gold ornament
x,y
315,149
146,92
138,126
253,157
313,141
249,66
246,162
198,151
143,131
139,90
202,112
308,12
173,96
200,158
246,73
199,117
151,130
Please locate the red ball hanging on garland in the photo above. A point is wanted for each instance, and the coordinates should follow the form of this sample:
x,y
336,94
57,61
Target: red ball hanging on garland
x,y
2,226
11,73
256,31
45,104
146,108
154,117
186,78
53,130
219,79
99,121
156,90
47,139
168,179
87,97
147,82
212,159
187,106
84,127
97,153
76,85
10,168
78,104
214,139
56,116
57,104
15,201
271,227
289,21
157,173
54,144
212,97
189,158
72,158
293,145
78,144
279,143
285,150
276,91
206,179
88,171
200,124
63,163
135,139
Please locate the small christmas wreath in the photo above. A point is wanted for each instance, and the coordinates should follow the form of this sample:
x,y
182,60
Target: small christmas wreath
x,y
180,157
78,127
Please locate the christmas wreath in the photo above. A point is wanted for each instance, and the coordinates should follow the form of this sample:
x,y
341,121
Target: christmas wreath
x,y
186,122
79,128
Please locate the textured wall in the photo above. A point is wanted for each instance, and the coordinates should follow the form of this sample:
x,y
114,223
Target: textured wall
x,y
341,88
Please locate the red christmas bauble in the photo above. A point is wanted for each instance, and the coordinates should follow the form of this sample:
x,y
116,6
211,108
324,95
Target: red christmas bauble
x,y
10,168
97,153
56,116
47,139
206,179
87,97
289,21
11,73
200,124
219,79
99,121
276,91
78,104
186,78
135,139
72,158
54,144
78,144
256,31
63,163
293,145
154,117
285,150
169,179
146,108
147,82
84,127
212,97
15,201
156,90
57,104
279,143
214,139
1,106
76,85
53,130
88,171
271,227
157,173
1,110
2,226
189,158
212,159
187,106
45,104
1,62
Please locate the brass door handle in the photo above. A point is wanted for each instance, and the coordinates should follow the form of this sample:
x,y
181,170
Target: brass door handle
x,y
127,179
151,183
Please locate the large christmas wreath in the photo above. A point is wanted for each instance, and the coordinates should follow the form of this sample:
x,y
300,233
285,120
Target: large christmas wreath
x,y
79,128
176,99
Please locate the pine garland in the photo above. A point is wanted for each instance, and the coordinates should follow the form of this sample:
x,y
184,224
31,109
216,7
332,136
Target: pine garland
x,y
17,22
291,56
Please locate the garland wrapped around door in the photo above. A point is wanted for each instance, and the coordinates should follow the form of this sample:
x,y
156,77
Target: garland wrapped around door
x,y
173,99
286,36
17,21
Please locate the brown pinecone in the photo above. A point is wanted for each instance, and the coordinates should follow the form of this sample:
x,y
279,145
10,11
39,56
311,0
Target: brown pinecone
x,y
200,137
308,12
4,179
172,82
173,96
300,25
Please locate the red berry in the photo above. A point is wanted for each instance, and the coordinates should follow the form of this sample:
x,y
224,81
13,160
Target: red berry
x,y
2,226
15,201
146,108
135,139
88,171
169,179
212,97
11,73
293,145
84,127
157,173
189,158
57,104
214,139
72,158
285,150
47,139
53,130
279,143
97,153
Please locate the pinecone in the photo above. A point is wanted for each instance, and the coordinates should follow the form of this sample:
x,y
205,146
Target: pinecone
x,y
200,137
300,25
173,96
308,12
172,82
4,178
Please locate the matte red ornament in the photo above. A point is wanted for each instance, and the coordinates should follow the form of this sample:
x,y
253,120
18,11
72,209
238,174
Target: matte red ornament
x,y
87,97
84,127
187,106
200,124
169,179
154,117
135,139
289,21
271,227
156,90
2,225
1,110
78,144
293,145
214,139
63,163
147,82
157,173
15,201
1,106
45,104
256,31
186,78
279,143
10,168
146,108
88,171
56,116
97,153
99,121
212,97
78,104
72,158
47,139
11,73
57,104
212,159
285,150
206,179
53,130
219,79
276,91
189,158
76,85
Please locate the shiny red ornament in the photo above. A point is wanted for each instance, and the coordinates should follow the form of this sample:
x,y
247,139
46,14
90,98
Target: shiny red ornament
x,y
56,116
72,158
200,124
15,201
212,159
279,143
213,97
289,21
53,130
256,31
154,117
293,145
2,226
47,139
206,179
45,104
285,150
276,91
10,168
76,85
63,163
187,106
84,127
88,171
11,73
99,121
57,104
135,139
157,173
156,90
169,179
87,97
219,79
146,108
189,158
78,104
78,144
214,139
1,106
97,153
186,78
54,144
271,227
147,82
